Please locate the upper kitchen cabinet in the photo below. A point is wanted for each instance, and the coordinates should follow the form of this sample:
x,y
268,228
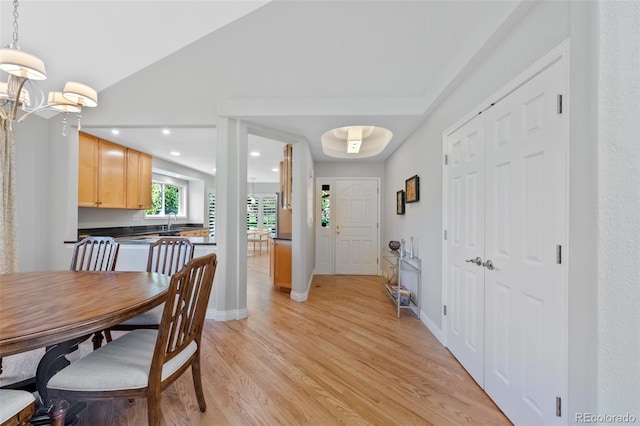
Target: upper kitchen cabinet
x,y
112,176
138,180
286,177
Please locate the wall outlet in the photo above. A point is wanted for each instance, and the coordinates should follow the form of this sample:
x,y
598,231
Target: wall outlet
x,y
135,218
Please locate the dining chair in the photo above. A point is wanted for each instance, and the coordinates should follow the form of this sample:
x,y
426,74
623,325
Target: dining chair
x,y
16,407
95,254
166,256
142,363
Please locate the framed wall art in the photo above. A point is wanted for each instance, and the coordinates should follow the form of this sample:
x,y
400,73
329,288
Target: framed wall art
x,y
400,202
412,189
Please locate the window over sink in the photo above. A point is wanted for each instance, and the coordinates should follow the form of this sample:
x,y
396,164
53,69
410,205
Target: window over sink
x,y
168,196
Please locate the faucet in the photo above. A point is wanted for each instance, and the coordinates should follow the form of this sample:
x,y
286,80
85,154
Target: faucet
x,y
169,220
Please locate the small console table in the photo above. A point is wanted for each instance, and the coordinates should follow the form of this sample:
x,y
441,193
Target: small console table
x,y
405,296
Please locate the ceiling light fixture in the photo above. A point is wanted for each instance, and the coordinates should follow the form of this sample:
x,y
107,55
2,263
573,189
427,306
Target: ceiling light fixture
x,y
355,141
255,154
20,92
115,131
166,131
175,153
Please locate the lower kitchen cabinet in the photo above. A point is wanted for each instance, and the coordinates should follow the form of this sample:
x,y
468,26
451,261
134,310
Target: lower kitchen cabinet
x,y
280,263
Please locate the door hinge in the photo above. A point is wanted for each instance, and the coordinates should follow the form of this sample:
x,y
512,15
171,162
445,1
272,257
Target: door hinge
x,y
559,254
444,309
559,104
558,406
446,159
445,234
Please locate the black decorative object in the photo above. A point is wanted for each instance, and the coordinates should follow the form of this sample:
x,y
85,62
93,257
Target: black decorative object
x,y
412,189
394,245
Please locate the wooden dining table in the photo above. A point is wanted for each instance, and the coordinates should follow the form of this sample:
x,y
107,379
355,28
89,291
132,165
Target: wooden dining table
x,y
59,309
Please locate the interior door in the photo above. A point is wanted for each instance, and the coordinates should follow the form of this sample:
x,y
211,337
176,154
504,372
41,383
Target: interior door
x,y
356,226
525,223
465,246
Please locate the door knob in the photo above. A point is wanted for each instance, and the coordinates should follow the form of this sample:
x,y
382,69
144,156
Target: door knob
x,y
477,261
338,229
489,265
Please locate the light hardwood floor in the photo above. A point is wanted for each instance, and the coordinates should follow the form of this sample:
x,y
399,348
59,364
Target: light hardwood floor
x,y
341,358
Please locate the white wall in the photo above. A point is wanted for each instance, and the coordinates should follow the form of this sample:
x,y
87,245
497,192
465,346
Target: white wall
x,y
618,103
349,169
32,168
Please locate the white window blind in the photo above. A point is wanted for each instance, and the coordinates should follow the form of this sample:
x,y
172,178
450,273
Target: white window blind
x,y
212,215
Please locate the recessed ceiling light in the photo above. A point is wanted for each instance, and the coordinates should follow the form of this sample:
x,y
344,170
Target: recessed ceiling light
x,y
275,170
166,131
255,154
115,131
175,153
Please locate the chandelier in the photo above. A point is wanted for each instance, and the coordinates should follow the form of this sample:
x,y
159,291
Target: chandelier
x,y
20,96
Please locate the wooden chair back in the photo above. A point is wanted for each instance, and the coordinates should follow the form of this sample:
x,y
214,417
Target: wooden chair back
x,y
183,316
95,254
169,255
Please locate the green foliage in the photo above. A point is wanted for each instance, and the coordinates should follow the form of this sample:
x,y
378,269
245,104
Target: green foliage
x,y
156,199
171,199
171,195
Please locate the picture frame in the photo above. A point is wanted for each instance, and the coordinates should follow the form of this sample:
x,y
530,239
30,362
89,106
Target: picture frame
x,y
400,202
412,189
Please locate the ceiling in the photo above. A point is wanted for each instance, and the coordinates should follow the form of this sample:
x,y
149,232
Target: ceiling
x,y
300,67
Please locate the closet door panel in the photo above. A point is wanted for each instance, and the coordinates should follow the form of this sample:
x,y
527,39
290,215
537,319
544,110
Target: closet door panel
x,y
525,221
465,300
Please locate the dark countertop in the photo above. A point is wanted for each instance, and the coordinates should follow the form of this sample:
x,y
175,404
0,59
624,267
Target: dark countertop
x,y
141,239
283,237
131,231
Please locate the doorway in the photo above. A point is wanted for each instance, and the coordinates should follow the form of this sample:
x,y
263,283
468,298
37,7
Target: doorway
x,y
347,234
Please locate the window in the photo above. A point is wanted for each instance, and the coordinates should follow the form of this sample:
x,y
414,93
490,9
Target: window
x,y
252,213
325,206
212,215
269,212
261,212
167,198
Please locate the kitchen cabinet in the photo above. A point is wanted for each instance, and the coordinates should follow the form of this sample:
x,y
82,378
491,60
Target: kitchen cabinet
x,y
286,177
202,232
138,180
102,170
280,263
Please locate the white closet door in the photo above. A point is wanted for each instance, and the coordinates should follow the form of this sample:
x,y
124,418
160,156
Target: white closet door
x,y
356,227
525,221
465,188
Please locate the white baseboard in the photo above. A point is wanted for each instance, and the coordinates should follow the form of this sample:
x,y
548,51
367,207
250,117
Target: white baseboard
x,y
433,328
302,297
227,315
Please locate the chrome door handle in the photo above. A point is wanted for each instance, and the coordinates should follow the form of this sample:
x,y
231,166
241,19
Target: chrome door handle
x,y
477,261
489,265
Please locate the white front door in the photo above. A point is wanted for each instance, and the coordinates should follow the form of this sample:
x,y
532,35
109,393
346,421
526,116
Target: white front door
x,y
356,226
465,246
526,186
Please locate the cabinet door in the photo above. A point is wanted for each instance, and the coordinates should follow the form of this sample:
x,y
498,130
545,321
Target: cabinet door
x,y
272,260
87,170
112,176
138,180
283,264
145,181
133,181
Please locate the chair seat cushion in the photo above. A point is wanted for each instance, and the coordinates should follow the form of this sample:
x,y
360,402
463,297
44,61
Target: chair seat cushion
x,y
13,402
121,364
151,317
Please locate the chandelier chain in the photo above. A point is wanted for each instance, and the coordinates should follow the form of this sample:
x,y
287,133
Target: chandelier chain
x,y
15,23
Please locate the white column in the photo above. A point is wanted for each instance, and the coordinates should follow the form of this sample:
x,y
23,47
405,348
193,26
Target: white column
x,y
229,300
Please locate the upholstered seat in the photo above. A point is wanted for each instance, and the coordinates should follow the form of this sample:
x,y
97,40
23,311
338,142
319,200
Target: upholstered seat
x,y
16,407
144,362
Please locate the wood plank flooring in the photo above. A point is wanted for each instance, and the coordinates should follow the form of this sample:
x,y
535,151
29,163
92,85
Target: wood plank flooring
x,y
341,358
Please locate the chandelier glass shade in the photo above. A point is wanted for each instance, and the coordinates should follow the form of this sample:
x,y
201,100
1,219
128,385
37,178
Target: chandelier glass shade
x,y
20,96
